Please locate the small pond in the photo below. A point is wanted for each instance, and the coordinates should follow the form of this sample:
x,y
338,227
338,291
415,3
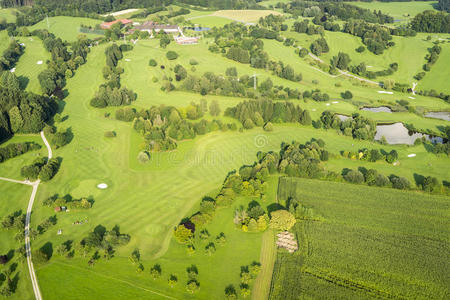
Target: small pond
x,y
397,133
378,109
343,117
443,115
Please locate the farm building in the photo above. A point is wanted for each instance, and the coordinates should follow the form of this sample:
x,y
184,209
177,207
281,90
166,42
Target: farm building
x,y
107,25
149,26
184,40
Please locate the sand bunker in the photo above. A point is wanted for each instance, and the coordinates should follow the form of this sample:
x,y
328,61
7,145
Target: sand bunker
x,y
384,92
127,59
411,97
328,104
13,70
335,102
102,186
412,155
39,62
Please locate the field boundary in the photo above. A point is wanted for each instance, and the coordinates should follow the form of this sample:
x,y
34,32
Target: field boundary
x,y
261,288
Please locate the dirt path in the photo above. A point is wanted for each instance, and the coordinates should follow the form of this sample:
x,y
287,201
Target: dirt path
x,y
122,12
345,73
261,288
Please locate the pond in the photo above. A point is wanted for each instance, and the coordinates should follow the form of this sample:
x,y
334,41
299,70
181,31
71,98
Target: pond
x,y
397,133
443,115
377,109
343,117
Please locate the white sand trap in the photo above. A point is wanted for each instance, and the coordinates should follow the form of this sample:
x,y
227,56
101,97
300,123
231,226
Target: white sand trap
x,y
412,155
384,92
313,109
335,102
39,62
13,70
102,186
369,66
411,97
127,59
22,44
328,104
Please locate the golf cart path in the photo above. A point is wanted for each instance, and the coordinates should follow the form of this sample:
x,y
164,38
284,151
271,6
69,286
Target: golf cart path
x,y
345,73
35,185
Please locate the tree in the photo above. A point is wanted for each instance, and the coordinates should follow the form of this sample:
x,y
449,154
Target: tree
x,y
214,108
347,95
268,126
172,280
282,220
193,286
135,256
230,292
152,62
182,234
245,290
171,55
354,176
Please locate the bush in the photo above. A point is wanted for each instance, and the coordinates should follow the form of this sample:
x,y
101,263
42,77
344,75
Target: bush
x,y
152,63
281,220
143,157
268,127
171,55
400,183
354,176
303,52
360,49
347,95
110,134
193,62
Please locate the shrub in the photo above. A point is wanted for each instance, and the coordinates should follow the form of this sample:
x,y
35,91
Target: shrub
x,y
193,62
268,127
171,55
152,63
282,220
400,183
347,95
354,176
303,52
360,49
110,134
143,157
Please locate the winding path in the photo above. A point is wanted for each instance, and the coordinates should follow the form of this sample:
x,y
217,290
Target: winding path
x,y
35,185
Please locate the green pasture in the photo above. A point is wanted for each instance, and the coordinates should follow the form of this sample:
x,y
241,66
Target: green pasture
x,y
353,253
4,40
400,11
14,197
437,78
27,69
209,20
8,14
67,28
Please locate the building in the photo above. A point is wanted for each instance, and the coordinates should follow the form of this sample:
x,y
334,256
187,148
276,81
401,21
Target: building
x,y
151,26
107,25
185,40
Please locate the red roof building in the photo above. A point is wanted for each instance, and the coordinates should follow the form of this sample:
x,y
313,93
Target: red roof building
x,y
107,25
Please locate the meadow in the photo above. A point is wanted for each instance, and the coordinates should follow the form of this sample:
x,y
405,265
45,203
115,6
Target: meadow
x,y
8,14
437,78
148,199
27,68
351,252
401,12
14,197
67,28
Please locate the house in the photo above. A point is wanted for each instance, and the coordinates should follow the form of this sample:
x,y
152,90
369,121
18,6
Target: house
x,y
184,40
149,26
107,25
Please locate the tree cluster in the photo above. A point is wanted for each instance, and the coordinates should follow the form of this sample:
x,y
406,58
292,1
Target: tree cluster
x,y
21,111
357,126
41,169
430,58
258,112
68,201
106,240
10,56
372,155
111,93
16,149
319,46
431,21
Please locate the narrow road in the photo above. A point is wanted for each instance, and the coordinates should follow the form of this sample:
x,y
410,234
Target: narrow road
x,y
345,73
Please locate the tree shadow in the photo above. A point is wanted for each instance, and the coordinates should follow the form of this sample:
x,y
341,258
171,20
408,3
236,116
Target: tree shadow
x,y
274,207
100,230
47,249
419,179
23,82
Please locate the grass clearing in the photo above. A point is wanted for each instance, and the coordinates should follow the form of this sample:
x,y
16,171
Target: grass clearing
x,y
27,68
67,28
401,12
355,253
8,14
245,16
437,78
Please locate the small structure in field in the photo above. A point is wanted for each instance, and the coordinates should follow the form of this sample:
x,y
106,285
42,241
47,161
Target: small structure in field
x,y
60,208
59,232
287,241
151,26
108,25
102,186
39,62
184,40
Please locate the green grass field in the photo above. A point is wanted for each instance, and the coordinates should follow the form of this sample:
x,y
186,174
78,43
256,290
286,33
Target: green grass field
x,y
4,40
437,78
401,12
67,28
7,14
27,68
148,200
14,197
354,253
